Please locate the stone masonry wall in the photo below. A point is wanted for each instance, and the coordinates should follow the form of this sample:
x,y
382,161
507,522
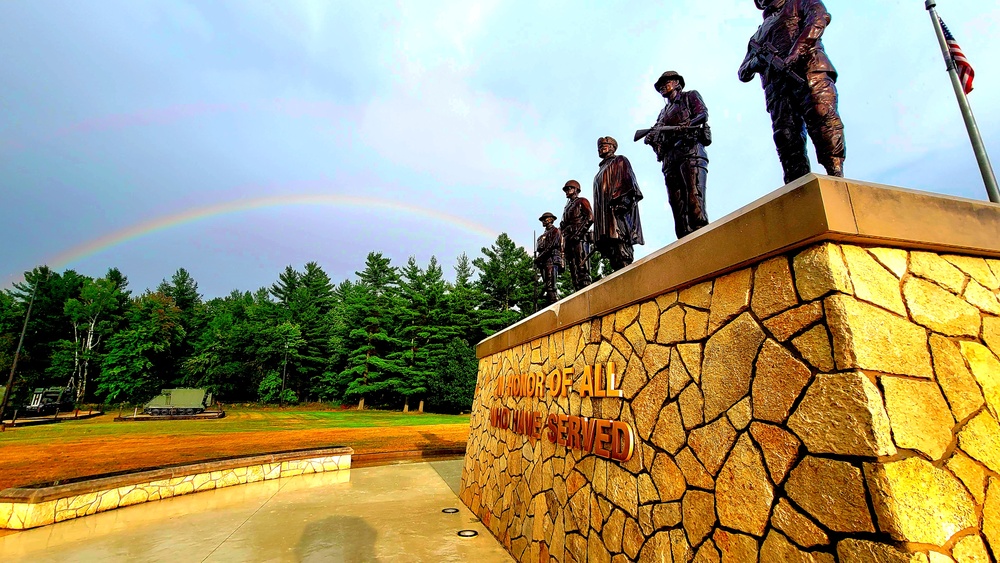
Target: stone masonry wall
x,y
836,404
23,515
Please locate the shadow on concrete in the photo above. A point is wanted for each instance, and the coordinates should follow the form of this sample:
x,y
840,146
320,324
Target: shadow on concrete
x,y
337,538
434,447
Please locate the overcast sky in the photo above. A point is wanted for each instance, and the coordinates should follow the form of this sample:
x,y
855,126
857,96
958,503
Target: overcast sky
x,y
235,138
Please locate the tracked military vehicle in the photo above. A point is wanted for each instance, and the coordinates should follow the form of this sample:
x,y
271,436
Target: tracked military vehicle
x,y
172,402
45,401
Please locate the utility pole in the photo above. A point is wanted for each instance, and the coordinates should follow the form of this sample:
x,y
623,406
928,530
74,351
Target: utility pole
x,y
10,380
284,371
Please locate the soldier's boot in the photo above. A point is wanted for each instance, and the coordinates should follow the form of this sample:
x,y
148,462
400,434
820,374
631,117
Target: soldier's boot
x,y
835,167
791,147
697,217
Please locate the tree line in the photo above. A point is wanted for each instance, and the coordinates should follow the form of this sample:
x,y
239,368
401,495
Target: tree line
x,y
396,336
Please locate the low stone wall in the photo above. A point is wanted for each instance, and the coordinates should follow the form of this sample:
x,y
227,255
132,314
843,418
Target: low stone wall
x,y
835,402
23,508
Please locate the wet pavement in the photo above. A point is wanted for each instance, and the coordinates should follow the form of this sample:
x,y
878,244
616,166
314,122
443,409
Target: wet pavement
x,y
386,513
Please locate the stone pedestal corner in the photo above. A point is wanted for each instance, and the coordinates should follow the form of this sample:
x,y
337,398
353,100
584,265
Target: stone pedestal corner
x,y
814,377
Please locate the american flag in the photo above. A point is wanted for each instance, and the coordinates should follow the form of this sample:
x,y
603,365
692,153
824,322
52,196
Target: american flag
x,y
965,72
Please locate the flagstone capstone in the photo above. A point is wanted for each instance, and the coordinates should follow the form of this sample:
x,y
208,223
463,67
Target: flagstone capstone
x,y
827,396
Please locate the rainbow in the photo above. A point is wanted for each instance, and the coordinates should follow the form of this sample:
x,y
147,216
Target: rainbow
x,y
110,240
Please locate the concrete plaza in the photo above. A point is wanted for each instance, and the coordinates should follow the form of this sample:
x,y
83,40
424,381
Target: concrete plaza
x,y
387,513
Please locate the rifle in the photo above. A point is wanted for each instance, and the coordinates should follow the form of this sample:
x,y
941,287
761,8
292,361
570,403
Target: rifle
x,y
769,55
534,264
640,133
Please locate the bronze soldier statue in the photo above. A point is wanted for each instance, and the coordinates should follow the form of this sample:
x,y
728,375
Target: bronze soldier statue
x,y
679,139
549,256
616,210
799,84
575,226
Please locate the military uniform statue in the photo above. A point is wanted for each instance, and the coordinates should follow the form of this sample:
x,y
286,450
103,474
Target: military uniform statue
x,y
575,228
549,256
616,211
799,84
679,139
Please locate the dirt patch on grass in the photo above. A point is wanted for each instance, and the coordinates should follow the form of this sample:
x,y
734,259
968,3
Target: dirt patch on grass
x,y
27,464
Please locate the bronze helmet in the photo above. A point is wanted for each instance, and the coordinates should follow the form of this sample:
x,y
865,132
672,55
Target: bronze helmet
x,y
572,184
545,215
669,75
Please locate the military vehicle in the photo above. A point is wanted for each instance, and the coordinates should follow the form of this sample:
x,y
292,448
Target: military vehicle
x,y
45,401
172,402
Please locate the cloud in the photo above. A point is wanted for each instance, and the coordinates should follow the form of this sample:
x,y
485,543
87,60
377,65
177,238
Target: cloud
x,y
136,109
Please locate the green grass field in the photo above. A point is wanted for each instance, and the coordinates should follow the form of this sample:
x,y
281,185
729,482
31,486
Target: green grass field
x,y
237,420
76,448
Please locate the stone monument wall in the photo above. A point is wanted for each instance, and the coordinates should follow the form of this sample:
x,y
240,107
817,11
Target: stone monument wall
x,y
837,401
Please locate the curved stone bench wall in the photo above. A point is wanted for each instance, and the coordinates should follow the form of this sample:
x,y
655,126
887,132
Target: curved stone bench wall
x,y
30,507
833,398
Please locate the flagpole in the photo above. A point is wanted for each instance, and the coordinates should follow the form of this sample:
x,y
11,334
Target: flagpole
x,y
963,103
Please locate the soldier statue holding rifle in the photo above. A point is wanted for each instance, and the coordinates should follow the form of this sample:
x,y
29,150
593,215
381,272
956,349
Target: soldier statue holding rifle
x,y
549,256
799,84
577,218
679,139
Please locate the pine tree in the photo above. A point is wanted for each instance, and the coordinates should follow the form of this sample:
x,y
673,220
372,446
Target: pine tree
x,y
509,282
454,385
373,372
464,300
425,323
311,304
284,288
182,290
